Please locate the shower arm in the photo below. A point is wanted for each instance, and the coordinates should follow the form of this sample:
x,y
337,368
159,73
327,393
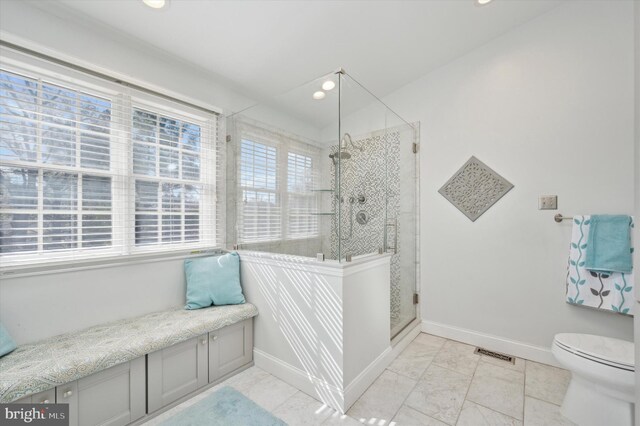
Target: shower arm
x,y
347,140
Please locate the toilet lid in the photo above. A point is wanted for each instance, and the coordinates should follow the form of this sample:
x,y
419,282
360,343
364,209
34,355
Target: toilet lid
x,y
608,350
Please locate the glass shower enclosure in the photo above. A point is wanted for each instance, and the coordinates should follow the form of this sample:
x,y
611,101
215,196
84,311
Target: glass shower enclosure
x,y
327,171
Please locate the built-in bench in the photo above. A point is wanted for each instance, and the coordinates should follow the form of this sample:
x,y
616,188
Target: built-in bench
x,y
141,350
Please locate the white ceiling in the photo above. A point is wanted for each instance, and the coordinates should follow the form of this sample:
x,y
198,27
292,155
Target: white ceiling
x,y
269,47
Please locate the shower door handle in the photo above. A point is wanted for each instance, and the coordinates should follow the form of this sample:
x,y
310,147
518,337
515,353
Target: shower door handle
x,y
392,224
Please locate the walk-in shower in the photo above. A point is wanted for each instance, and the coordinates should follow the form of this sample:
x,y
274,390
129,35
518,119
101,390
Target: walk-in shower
x,y
327,170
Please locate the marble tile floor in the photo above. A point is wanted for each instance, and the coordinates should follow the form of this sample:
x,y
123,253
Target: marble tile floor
x,y
434,382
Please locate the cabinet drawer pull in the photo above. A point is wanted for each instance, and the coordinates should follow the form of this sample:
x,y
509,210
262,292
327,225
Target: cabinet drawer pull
x,y
67,394
44,401
203,341
214,337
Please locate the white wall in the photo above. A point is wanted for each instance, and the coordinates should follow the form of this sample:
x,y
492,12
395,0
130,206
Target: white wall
x,y
91,45
40,306
549,106
75,38
36,307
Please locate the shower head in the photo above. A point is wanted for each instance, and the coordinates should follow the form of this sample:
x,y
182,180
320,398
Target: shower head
x,y
342,153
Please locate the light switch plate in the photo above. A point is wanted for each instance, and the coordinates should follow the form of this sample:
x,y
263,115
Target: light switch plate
x,y
548,202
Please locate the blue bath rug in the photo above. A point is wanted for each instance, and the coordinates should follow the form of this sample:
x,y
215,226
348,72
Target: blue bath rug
x,y
225,407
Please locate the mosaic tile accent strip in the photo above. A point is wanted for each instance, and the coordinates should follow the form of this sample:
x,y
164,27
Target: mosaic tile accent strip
x,y
368,173
39,366
475,188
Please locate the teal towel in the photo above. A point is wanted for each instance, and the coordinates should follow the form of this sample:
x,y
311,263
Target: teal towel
x,y
609,244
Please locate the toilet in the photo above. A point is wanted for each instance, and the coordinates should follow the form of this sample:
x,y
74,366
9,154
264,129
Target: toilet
x,y
602,388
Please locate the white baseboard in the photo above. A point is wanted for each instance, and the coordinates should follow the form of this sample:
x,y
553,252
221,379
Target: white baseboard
x,y
494,343
330,394
299,379
359,385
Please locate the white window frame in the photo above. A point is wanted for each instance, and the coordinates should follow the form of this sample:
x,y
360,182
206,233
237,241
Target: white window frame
x,y
122,98
208,173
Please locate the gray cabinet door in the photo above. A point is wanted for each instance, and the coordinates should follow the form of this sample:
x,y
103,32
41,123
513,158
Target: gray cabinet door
x,y
68,394
45,397
230,348
176,371
112,397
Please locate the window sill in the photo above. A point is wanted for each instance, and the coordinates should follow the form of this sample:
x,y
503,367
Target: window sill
x,y
16,271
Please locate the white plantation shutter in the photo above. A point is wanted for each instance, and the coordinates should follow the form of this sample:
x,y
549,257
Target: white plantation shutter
x,y
59,170
276,177
260,202
80,159
301,201
173,179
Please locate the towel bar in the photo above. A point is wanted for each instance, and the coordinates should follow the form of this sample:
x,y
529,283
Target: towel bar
x,y
559,218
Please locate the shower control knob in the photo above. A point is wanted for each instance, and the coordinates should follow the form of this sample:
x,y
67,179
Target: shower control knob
x,y
362,217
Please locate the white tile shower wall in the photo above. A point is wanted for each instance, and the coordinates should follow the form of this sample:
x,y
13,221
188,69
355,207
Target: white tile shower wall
x,y
550,106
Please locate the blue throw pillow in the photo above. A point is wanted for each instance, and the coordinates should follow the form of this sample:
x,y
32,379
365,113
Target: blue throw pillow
x,y
6,342
213,281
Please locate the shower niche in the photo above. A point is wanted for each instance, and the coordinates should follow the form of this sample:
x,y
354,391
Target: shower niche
x,y
327,168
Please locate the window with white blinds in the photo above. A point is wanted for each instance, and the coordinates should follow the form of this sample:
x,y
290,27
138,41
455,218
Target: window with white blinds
x,y
90,168
173,180
276,177
260,216
301,201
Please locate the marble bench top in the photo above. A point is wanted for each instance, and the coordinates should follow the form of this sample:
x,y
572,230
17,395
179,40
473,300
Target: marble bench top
x,y
42,365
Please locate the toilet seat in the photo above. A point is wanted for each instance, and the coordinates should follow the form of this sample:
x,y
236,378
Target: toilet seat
x,y
602,386
608,351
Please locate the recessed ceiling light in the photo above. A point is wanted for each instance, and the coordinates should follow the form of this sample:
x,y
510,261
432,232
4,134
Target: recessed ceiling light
x,y
319,95
155,4
328,85
483,2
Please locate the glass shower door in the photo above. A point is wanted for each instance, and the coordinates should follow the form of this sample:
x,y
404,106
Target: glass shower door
x,y
377,192
402,224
